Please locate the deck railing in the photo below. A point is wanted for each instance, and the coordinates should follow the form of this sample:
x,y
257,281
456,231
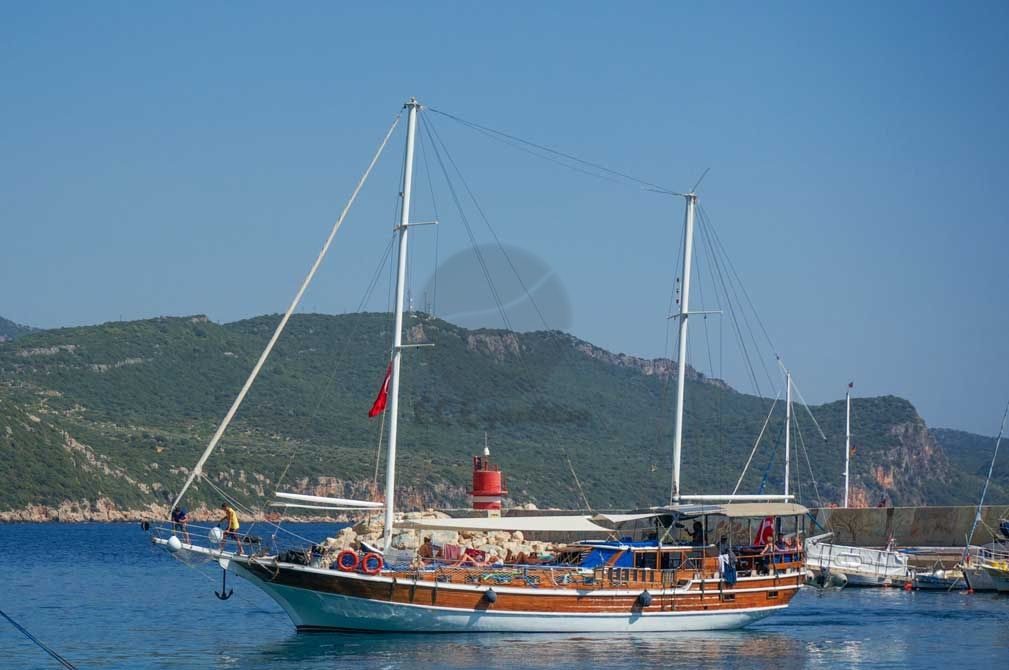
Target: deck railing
x,y
700,564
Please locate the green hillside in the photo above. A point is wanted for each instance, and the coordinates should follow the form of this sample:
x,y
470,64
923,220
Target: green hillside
x,y
10,330
972,454
146,395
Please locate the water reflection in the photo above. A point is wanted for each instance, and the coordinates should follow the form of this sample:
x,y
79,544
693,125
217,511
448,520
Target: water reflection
x,y
613,650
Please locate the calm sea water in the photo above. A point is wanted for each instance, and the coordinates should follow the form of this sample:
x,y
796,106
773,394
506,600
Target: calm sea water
x,y
101,596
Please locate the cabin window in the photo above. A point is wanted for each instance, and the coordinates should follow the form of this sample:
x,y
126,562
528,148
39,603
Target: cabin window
x,y
645,560
771,595
671,560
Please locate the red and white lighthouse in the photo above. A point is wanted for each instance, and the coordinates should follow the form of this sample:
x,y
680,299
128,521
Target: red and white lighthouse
x,y
488,484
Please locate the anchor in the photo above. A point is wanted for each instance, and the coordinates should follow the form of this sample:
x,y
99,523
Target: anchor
x,y
224,586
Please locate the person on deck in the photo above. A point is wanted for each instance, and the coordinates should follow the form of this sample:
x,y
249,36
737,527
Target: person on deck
x,y
697,537
426,550
231,517
180,522
767,555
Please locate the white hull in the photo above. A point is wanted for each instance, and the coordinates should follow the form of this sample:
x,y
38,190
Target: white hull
x,y
978,579
315,611
855,578
999,578
862,566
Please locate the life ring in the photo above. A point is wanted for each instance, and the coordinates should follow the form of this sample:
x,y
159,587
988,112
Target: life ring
x,y
344,564
371,564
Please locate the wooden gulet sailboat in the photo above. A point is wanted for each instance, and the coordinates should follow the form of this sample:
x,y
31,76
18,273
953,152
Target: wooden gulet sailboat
x,y
655,585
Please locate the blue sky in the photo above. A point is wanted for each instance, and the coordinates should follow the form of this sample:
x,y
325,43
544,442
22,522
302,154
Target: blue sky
x,y
190,159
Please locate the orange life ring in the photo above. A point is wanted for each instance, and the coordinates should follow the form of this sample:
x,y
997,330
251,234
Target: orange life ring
x,y
374,568
347,567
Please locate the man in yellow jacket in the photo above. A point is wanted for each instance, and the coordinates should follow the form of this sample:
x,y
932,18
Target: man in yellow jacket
x,y
231,517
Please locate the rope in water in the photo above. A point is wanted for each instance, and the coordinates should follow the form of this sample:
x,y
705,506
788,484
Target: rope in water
x,y
64,662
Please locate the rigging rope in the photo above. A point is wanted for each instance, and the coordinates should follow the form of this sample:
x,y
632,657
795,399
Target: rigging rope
x,y
491,132
198,468
733,275
24,631
437,228
493,233
439,147
991,468
277,528
770,462
428,128
803,401
746,294
756,443
706,237
805,452
335,369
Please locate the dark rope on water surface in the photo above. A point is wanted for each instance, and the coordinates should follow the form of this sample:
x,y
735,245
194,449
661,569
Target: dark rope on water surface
x,y
64,662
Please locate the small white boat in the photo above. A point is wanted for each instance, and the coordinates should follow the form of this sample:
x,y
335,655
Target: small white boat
x,y
975,562
862,566
939,579
986,568
999,574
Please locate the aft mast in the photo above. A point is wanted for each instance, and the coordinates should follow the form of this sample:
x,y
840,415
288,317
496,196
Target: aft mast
x,y
681,362
788,428
397,346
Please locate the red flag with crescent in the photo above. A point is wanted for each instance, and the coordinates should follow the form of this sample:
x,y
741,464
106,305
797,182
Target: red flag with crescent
x,y
383,395
765,533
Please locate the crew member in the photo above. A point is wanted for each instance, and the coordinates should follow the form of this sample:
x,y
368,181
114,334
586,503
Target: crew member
x,y
697,537
180,522
231,518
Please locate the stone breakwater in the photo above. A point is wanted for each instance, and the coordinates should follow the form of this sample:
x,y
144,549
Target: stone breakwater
x,y
496,545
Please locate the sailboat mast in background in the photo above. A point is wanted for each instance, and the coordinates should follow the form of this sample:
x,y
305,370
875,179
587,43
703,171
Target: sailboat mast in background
x,y
847,439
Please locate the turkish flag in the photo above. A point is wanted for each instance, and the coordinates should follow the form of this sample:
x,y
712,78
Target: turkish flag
x,y
383,394
765,533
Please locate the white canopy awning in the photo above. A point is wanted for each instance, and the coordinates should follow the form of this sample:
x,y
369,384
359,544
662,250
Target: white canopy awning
x,y
624,518
342,502
734,510
566,524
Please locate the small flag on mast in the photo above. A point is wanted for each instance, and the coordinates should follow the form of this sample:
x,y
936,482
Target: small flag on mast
x,y
383,395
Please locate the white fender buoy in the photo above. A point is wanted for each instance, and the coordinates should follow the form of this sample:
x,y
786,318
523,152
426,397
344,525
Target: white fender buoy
x,y
215,535
174,544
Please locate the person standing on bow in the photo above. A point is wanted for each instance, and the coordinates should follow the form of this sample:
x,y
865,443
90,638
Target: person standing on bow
x,y
231,518
180,522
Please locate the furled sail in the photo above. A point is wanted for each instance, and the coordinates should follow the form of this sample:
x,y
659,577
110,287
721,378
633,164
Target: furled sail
x,y
342,502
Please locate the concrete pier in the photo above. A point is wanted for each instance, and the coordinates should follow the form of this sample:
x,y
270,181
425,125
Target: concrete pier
x,y
909,526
